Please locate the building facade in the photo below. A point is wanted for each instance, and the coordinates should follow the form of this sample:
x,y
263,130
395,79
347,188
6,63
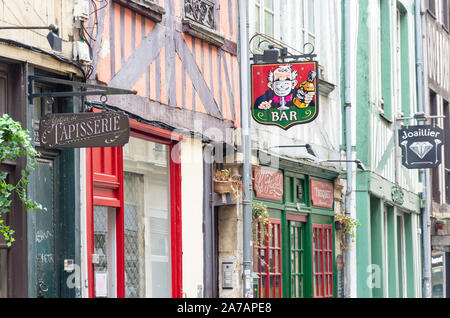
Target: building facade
x,y
144,232
298,257
387,259
34,265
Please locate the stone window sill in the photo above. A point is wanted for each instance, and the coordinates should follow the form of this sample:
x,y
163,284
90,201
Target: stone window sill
x,y
199,31
144,7
325,88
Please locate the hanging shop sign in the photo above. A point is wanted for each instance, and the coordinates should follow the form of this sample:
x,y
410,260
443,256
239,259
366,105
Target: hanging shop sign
x,y
105,129
421,146
268,184
285,95
322,194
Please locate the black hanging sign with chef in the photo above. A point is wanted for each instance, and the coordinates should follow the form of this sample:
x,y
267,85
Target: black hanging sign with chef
x,y
421,146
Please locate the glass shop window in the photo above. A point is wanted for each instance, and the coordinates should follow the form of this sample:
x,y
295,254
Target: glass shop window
x,y
147,219
267,259
322,261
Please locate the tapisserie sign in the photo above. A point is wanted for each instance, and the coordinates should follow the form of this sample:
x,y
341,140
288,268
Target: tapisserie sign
x,y
285,94
105,129
421,146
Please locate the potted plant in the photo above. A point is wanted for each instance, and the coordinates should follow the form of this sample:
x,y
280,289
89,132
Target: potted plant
x,y
345,225
225,183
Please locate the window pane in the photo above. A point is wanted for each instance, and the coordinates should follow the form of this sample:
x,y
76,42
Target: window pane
x,y
134,235
147,217
269,4
311,15
268,24
257,19
101,243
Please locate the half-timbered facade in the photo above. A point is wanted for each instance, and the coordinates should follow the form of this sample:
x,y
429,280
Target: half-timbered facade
x,y
143,230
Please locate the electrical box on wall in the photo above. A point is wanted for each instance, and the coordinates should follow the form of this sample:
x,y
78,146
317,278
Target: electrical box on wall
x,y
81,10
227,275
81,52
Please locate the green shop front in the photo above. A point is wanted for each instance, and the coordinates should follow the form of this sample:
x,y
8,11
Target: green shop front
x,y
294,253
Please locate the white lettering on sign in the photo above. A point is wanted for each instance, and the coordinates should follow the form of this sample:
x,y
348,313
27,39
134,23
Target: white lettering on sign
x,y
322,193
420,133
284,116
268,184
89,128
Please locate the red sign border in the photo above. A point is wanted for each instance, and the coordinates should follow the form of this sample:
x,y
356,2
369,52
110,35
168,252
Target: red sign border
x,y
268,197
311,194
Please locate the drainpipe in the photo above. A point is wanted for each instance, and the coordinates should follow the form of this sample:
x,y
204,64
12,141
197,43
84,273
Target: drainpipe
x,y
246,168
348,142
422,86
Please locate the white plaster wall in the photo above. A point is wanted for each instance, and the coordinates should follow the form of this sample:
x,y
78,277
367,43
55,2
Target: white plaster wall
x,y
325,133
38,13
192,217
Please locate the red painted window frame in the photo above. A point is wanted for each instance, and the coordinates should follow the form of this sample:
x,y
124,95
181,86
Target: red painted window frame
x,y
322,261
275,226
96,181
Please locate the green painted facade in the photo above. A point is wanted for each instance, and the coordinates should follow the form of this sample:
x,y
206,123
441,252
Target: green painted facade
x,y
296,174
386,254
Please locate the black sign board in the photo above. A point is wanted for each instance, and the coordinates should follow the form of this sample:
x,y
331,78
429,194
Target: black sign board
x,y
105,129
421,146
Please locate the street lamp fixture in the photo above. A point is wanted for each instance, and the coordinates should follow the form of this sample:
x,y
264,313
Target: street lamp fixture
x,y
307,146
53,38
358,162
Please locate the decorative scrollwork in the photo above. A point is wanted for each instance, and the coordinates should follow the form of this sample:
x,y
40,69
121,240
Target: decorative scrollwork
x,y
200,11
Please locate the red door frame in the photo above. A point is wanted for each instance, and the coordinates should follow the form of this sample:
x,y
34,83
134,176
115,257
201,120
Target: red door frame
x,y
106,190
323,259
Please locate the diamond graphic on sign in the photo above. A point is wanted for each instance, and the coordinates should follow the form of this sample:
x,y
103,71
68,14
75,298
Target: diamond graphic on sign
x,y
421,148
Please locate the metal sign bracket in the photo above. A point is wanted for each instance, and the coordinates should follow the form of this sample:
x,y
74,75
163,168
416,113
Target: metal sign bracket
x,y
94,89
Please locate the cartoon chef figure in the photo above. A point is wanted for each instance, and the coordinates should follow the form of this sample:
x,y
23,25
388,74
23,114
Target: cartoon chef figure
x,y
282,93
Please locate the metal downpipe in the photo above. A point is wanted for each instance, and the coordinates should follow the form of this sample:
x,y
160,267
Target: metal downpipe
x,y
348,142
246,168
422,106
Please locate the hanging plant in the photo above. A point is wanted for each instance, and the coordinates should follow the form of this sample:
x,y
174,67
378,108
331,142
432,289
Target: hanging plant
x,y
224,183
345,225
15,143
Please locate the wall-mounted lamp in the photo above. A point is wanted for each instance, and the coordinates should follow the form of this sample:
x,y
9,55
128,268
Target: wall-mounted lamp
x,y
53,38
359,164
307,146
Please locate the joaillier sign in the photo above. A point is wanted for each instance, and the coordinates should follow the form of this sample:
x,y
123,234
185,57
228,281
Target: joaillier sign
x,y
421,146
105,129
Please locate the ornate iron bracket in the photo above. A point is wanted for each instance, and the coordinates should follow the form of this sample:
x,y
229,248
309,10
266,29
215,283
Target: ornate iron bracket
x,y
95,89
277,50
